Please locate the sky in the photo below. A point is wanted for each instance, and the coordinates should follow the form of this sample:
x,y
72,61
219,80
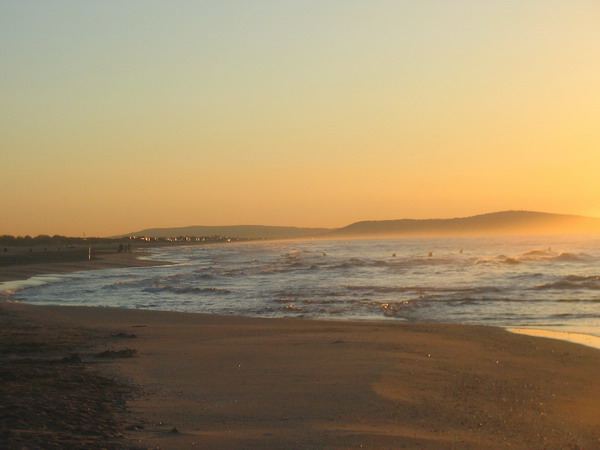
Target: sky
x,y
118,116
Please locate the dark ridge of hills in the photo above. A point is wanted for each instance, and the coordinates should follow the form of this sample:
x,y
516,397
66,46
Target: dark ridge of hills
x,y
504,222
237,231
497,223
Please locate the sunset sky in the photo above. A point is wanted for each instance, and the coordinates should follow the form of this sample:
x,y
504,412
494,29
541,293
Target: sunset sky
x,y
121,115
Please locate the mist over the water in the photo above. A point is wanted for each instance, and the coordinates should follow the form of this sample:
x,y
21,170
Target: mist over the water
x,y
543,282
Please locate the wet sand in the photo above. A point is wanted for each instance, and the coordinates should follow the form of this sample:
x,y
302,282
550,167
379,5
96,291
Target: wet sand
x,y
588,340
47,264
236,382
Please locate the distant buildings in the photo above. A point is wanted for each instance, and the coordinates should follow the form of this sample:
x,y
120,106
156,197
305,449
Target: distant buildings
x,y
205,239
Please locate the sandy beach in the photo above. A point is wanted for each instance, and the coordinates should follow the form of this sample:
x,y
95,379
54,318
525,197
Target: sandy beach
x,y
41,263
182,380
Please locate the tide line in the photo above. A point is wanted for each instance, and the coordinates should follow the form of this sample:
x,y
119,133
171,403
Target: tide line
x,y
583,339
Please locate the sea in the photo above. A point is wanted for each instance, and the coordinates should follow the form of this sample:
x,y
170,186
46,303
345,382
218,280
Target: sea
x,y
548,283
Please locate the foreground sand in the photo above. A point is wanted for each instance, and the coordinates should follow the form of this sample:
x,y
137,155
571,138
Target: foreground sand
x,y
231,382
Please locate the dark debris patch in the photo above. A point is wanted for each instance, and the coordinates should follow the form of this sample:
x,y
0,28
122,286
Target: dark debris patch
x,y
124,335
49,398
125,353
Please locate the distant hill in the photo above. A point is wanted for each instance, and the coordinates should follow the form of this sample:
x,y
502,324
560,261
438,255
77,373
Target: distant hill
x,y
238,231
505,222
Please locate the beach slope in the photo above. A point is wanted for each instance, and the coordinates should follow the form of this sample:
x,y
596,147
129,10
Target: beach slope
x,y
234,382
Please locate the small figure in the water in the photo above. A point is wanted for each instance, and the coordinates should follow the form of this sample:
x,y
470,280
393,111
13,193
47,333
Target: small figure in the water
x,y
393,255
430,254
461,251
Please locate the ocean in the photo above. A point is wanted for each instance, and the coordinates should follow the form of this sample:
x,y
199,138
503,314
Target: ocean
x,y
550,283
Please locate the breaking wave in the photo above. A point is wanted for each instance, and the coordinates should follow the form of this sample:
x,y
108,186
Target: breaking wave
x,y
160,287
574,282
421,289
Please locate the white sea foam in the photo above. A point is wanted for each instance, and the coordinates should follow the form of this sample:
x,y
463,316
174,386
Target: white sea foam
x,y
11,287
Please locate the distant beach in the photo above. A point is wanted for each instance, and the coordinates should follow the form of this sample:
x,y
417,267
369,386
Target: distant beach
x,y
40,262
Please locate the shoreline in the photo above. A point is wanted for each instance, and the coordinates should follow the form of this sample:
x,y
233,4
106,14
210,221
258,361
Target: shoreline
x,y
231,382
12,277
588,340
102,260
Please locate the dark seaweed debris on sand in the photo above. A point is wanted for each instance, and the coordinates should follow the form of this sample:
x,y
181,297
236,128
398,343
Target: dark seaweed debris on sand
x,y
49,398
125,353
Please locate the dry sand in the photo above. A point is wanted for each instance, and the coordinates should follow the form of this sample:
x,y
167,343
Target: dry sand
x,y
233,382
